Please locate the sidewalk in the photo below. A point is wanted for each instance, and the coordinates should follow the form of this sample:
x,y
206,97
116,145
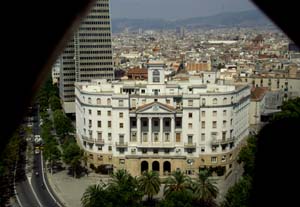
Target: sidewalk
x,y
70,190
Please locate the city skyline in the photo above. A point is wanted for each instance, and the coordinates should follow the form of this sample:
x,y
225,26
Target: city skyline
x,y
175,9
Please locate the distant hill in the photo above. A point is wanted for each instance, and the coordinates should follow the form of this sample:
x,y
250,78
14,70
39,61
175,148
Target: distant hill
x,y
252,18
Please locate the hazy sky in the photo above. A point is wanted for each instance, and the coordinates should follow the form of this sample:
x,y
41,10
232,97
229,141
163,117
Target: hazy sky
x,y
175,9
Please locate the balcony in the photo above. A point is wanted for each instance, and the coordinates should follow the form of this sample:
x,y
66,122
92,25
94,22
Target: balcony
x,y
121,144
222,141
87,139
99,141
190,145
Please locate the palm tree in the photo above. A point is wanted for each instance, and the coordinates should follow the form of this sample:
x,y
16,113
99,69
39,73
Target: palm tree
x,y
92,196
120,178
149,183
177,182
205,190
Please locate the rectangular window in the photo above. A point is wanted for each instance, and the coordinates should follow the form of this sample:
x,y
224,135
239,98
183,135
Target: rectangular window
x,y
178,137
214,123
109,148
155,151
99,135
214,160
121,103
223,135
190,102
168,101
144,151
167,137
202,149
90,112
155,137
224,113
190,125
121,125
203,125
203,113
190,139
224,123
167,151
121,138
133,123
133,136
109,124
108,113
190,115
178,122
145,137
145,123
121,114
99,124
90,123
99,113
167,123
203,137
214,113
109,136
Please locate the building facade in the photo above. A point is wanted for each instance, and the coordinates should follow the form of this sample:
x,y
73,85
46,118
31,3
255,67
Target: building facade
x,y
88,55
159,125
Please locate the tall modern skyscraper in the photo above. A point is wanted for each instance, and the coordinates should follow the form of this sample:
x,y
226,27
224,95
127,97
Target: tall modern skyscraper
x,y
88,55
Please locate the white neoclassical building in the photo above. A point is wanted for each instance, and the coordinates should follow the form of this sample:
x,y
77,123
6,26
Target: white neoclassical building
x,y
162,125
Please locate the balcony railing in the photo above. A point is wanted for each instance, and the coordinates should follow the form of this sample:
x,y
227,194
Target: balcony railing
x,y
87,139
190,145
222,141
99,141
121,144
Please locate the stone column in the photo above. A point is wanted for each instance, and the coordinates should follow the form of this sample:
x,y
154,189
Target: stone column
x,y
172,130
150,129
139,137
161,128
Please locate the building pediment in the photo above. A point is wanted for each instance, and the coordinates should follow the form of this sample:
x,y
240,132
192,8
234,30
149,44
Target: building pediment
x,y
155,107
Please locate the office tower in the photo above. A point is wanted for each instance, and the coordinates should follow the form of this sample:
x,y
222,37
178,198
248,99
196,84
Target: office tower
x,y
88,55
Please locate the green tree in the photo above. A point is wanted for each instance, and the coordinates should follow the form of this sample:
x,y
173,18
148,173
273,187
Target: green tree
x,y
72,155
247,156
178,181
52,154
62,124
149,183
205,190
239,194
182,198
54,103
96,196
125,189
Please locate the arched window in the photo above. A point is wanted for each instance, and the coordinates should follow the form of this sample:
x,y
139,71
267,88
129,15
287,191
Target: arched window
x,y
167,167
98,101
144,166
108,101
224,100
155,166
89,100
215,101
